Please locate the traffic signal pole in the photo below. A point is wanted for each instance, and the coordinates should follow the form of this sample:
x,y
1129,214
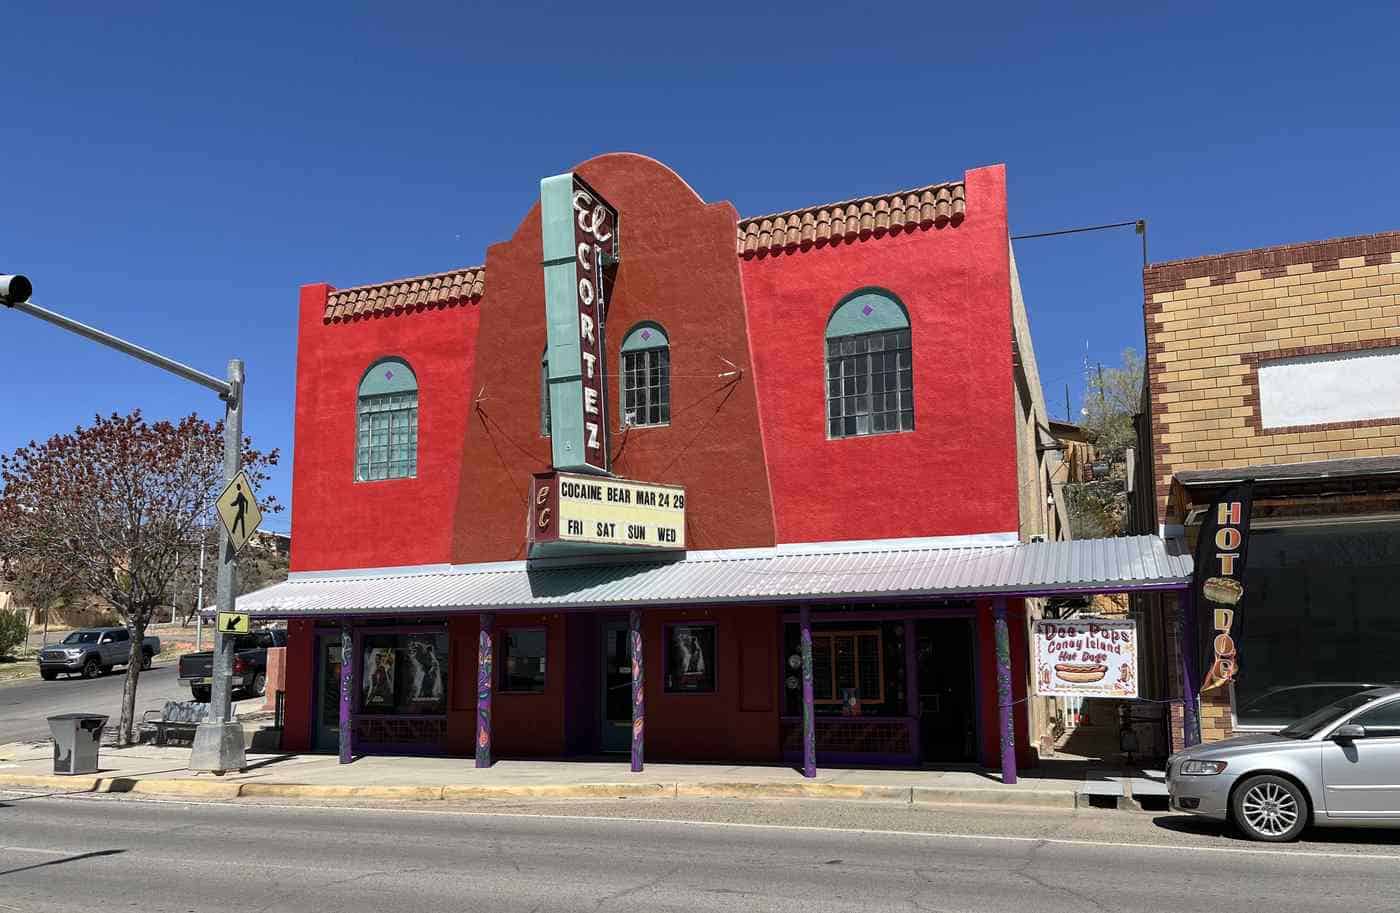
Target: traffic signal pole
x,y
218,742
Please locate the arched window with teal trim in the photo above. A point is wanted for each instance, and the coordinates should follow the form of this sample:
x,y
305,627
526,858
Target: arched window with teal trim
x,y
869,366
387,413
646,376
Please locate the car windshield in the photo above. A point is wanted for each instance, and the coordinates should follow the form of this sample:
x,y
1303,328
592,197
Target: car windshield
x,y
1318,720
81,637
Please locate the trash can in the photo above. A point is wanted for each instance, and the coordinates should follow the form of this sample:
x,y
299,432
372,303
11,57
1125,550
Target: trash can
x,y
76,738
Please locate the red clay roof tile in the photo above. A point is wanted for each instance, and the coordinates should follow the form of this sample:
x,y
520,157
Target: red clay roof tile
x,y
813,226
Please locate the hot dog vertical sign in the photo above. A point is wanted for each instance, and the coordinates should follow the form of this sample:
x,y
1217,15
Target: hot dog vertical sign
x,y
580,237
1086,657
1219,581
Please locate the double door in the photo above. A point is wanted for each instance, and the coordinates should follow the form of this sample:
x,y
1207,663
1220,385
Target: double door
x,y
328,665
616,735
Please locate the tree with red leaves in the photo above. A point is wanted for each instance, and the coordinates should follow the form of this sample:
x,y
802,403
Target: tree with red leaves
x,y
117,503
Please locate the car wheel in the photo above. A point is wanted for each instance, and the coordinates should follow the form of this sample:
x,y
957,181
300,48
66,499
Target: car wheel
x,y
200,694
91,667
259,685
48,675
145,662
1269,808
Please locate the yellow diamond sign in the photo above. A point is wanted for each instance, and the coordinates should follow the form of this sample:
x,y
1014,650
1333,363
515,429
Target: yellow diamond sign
x,y
239,511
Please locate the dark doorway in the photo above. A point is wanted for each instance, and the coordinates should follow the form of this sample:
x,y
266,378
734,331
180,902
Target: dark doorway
x,y
328,691
617,688
947,702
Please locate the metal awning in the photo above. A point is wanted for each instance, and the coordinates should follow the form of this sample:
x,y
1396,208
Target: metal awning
x,y
789,574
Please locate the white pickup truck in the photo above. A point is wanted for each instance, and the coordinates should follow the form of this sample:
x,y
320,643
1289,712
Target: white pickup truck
x,y
92,652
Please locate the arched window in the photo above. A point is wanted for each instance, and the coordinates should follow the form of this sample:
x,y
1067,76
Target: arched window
x,y
544,394
646,376
387,442
869,373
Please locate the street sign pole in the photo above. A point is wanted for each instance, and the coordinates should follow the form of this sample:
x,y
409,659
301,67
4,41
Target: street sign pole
x,y
218,742
215,746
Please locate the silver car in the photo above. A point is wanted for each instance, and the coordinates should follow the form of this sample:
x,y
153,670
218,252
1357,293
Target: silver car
x,y
1336,767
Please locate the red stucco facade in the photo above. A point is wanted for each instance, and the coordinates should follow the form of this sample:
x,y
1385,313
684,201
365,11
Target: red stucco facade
x,y
747,438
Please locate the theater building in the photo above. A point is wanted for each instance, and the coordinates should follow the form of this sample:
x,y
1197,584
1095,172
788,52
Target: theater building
x,y
663,481
1277,372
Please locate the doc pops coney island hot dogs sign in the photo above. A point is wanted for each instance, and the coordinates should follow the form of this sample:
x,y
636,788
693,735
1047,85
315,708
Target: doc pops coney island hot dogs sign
x,y
579,507
1086,657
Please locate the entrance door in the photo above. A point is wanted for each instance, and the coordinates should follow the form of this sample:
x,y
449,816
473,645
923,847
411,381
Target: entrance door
x,y
947,720
328,692
617,688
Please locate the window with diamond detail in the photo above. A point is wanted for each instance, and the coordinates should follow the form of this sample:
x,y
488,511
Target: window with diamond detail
x,y
646,376
387,435
869,367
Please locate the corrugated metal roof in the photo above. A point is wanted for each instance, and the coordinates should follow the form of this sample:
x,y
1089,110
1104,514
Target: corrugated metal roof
x,y
786,574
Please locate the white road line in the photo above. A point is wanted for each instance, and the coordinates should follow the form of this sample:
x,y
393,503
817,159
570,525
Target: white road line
x,y
928,835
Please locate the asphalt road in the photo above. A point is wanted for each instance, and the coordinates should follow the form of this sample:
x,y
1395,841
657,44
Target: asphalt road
x,y
25,704
60,854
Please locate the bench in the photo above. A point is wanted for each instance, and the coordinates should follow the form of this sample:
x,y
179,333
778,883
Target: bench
x,y
178,717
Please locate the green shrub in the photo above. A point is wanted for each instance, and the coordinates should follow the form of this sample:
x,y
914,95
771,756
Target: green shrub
x,y
14,630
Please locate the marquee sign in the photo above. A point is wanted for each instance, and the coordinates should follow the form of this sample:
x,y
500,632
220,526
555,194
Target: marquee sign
x,y
1086,657
574,512
579,230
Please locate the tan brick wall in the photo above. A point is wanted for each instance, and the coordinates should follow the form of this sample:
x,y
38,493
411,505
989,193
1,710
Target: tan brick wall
x,y
1212,320
1207,334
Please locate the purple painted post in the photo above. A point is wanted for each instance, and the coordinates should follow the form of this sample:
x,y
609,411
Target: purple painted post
x,y
809,715
347,693
485,685
1004,705
1190,719
634,631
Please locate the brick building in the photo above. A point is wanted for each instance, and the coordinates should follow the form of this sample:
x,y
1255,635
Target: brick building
x,y
1281,366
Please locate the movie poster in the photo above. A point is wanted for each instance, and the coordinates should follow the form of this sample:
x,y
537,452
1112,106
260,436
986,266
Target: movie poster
x,y
425,671
379,668
691,664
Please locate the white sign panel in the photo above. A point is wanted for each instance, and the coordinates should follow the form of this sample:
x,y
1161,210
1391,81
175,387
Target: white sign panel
x,y
1327,389
1086,657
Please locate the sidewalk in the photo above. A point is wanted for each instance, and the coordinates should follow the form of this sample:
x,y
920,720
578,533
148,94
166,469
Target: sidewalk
x,y
146,769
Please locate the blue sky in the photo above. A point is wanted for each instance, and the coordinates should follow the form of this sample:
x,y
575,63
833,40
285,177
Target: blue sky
x,y
174,173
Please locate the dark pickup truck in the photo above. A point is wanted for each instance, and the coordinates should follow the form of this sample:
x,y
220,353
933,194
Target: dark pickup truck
x,y
249,665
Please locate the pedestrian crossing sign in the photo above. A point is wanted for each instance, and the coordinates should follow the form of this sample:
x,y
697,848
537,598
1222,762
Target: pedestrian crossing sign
x,y
233,623
239,511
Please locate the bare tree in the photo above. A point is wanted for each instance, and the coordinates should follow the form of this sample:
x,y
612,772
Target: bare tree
x,y
118,503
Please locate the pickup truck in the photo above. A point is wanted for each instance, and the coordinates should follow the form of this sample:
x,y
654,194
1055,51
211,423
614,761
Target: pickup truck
x,y
249,665
92,652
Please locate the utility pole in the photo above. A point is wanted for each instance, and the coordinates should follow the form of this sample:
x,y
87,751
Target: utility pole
x,y
199,600
1068,418
218,742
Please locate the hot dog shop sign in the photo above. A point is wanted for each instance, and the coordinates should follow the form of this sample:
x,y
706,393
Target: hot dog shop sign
x,y
1086,657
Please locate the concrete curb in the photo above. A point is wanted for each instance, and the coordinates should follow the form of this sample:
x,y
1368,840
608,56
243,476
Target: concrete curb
x,y
233,789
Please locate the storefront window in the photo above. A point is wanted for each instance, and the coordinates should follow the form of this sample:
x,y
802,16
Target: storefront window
x,y
690,658
523,658
1318,619
403,674
857,669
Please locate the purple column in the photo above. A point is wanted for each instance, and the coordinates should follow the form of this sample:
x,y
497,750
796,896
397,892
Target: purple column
x,y
1004,714
485,685
347,693
634,639
1190,719
809,716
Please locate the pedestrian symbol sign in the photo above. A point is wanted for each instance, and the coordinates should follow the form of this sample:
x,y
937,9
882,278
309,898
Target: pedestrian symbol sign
x,y
233,623
239,511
